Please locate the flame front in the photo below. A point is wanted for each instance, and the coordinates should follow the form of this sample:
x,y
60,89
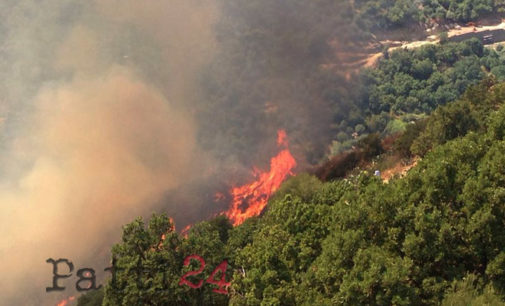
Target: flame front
x,y
65,302
249,200
186,229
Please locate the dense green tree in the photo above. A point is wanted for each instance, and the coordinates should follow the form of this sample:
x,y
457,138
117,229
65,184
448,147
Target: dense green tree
x,y
420,80
404,143
469,291
383,14
401,243
147,266
445,124
92,298
150,261
436,236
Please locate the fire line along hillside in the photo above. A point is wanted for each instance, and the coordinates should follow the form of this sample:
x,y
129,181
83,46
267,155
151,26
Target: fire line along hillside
x,y
343,236
435,236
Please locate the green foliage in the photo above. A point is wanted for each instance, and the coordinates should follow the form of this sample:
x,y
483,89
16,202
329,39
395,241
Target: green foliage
x,y
139,250
497,125
377,277
458,118
277,60
496,271
414,81
280,252
469,292
403,144
436,236
303,185
407,242
446,123
370,146
395,126
499,72
378,122
386,14
149,263
92,298
375,14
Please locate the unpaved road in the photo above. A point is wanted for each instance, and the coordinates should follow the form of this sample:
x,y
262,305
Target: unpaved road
x,y
470,29
433,39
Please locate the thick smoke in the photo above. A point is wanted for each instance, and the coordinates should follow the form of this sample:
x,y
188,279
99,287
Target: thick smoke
x,y
113,109
272,72
97,128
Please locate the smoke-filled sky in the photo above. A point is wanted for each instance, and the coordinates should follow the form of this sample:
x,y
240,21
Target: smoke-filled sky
x,y
112,109
96,127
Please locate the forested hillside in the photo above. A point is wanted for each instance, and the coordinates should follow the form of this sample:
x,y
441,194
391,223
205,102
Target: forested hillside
x,y
277,56
436,235
406,85
277,69
388,13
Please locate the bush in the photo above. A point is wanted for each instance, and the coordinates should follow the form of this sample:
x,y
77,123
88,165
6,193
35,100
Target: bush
x,y
404,142
341,137
371,146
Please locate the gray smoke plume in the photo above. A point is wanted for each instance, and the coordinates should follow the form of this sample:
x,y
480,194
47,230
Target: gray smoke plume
x,y
96,127
113,109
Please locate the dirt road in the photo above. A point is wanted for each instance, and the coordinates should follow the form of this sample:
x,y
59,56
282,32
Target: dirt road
x,y
433,39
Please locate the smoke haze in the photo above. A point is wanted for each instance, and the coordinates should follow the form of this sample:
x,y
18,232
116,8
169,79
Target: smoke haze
x,y
113,109
96,127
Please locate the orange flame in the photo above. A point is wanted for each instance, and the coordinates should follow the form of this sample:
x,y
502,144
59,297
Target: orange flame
x,y
171,229
185,230
65,302
282,138
249,200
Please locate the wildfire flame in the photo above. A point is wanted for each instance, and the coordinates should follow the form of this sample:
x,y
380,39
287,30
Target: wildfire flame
x,y
249,200
172,228
65,302
186,229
